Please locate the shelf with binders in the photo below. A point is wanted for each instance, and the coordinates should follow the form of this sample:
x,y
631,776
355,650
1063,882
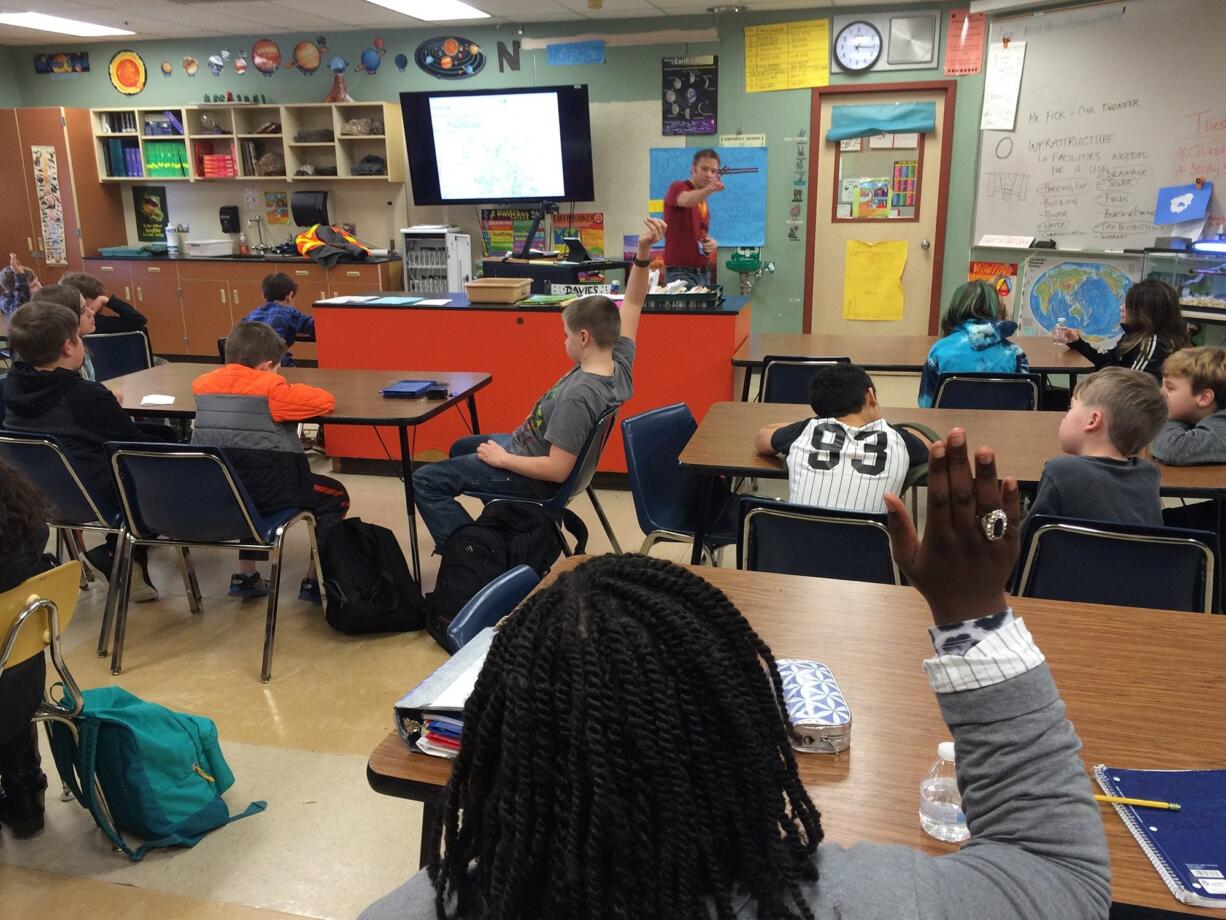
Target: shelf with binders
x,y
166,158
214,158
120,157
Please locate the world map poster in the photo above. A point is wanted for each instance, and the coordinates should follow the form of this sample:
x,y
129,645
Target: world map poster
x,y
1084,292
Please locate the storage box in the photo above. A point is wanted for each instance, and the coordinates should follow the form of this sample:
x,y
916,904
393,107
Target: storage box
x,y
497,290
210,247
685,301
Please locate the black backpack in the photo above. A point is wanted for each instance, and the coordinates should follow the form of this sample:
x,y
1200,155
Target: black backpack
x,y
368,583
506,534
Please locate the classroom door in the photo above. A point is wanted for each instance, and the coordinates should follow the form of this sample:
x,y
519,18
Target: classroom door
x,y
889,189
16,234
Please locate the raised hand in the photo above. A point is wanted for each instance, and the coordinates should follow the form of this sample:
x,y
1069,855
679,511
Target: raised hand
x,y
653,232
965,558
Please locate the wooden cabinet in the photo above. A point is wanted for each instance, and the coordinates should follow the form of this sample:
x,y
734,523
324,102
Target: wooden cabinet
x,y
206,314
156,290
16,230
116,275
353,278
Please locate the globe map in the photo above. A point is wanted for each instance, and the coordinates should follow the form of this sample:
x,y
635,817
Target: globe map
x,y
1087,295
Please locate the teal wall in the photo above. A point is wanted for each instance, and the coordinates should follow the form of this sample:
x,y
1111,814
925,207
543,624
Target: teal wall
x,y
10,91
629,73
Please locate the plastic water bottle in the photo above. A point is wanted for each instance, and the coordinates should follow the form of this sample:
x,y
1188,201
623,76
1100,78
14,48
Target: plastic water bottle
x,y
1057,334
940,811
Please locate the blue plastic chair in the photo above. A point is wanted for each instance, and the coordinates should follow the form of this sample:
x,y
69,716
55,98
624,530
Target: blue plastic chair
x,y
666,495
579,480
1125,565
789,539
190,495
490,604
117,353
988,391
786,378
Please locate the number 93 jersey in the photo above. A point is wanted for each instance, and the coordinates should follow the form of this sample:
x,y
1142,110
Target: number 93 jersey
x,y
832,465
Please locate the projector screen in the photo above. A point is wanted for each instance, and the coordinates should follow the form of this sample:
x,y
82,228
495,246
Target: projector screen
x,y
492,146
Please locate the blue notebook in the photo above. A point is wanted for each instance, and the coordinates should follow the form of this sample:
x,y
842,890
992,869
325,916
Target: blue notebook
x,y
407,389
1187,847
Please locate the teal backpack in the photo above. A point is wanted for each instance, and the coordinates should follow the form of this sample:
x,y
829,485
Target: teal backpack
x,y
162,773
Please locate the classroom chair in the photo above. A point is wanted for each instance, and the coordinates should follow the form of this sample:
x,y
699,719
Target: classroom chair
x,y
221,349
33,617
579,480
190,495
789,539
666,495
1125,565
117,353
3,377
785,378
490,604
988,391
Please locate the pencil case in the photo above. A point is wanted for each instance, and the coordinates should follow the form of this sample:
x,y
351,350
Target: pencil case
x,y
820,716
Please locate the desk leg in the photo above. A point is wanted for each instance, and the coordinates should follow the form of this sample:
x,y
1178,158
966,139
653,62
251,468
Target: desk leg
x,y
431,813
472,411
706,486
406,470
745,383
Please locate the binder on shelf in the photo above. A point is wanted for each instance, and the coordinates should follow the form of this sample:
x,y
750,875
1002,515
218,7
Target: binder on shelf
x,y
1187,847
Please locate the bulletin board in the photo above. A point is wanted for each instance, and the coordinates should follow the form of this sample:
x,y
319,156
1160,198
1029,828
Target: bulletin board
x,y
738,214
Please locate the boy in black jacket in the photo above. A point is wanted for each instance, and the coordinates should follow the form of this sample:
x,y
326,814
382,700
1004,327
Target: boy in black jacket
x,y
46,393
122,316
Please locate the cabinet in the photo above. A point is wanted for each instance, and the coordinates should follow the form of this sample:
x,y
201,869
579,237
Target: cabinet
x,y
436,259
206,313
157,296
115,275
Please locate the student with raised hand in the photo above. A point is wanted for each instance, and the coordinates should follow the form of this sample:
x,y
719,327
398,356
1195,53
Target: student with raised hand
x,y
626,754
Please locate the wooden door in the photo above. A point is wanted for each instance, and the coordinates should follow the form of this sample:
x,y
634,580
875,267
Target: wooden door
x,y
845,193
16,232
157,296
45,127
206,314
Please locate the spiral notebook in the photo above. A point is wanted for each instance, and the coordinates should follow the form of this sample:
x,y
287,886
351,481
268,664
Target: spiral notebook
x,y
1187,847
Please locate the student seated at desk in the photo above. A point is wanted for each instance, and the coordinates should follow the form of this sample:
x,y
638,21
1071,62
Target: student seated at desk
x,y
847,457
1114,415
975,340
18,285
626,753
278,311
540,454
46,393
251,412
111,315
1153,328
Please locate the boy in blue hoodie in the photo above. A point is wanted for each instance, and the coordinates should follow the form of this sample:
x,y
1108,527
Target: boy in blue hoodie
x,y
975,340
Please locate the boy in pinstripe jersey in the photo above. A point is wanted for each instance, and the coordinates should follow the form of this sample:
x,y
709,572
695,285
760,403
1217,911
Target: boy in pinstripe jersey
x,y
847,457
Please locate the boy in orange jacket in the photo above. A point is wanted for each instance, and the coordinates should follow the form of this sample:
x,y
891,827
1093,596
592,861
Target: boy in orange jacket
x,y
251,412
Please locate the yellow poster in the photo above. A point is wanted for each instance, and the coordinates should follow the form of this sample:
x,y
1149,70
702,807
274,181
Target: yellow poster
x,y
787,55
872,279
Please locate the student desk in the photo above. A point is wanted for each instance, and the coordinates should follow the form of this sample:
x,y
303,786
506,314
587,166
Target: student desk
x,y
1139,685
358,402
891,352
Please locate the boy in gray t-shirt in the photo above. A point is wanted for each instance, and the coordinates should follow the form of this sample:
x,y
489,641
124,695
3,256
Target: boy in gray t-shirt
x,y
541,452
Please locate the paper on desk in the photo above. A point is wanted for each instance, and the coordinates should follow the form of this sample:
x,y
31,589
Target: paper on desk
x,y
433,303
872,279
156,399
352,298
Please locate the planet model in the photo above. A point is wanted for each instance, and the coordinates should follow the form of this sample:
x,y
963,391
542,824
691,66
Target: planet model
x,y
265,56
127,72
371,58
338,64
402,61
307,57
240,63
190,66
217,61
167,68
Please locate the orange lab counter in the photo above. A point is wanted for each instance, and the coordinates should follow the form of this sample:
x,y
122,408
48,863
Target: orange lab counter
x,y
683,356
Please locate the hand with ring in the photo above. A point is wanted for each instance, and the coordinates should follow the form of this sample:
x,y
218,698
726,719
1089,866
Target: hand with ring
x,y
971,537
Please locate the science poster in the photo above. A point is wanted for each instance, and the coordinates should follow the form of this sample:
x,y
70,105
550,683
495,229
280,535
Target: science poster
x,y
149,203
690,86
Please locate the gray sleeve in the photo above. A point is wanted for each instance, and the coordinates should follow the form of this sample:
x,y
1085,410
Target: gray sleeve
x,y
1047,499
1037,846
624,351
1181,444
414,900
572,418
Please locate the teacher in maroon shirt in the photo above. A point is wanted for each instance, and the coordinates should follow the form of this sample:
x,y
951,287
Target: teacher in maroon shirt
x,y
689,248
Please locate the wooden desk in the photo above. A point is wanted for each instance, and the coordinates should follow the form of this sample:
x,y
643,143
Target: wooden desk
x,y
358,402
1024,442
1140,686
890,352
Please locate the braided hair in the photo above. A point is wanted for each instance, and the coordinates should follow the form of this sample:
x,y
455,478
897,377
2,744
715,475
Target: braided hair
x,y
625,755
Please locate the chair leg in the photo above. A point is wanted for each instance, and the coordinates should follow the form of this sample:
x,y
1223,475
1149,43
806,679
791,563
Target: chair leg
x,y
190,584
566,550
274,588
68,540
124,564
112,593
604,521
313,540
652,539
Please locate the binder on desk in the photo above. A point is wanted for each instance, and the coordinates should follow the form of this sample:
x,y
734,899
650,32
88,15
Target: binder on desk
x,y
1187,847
430,716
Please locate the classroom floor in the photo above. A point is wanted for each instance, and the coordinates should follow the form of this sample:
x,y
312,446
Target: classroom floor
x,y
327,845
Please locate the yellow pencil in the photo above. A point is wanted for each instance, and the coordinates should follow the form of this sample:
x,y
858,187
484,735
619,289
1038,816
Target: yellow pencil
x,y
1140,803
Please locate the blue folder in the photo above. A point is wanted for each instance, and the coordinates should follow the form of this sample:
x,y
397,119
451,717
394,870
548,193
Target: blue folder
x,y
407,389
1187,847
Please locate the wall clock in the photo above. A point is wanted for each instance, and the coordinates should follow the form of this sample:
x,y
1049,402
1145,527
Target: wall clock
x,y
858,46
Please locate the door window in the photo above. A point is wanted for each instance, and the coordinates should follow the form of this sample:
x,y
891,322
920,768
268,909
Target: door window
x,y
878,178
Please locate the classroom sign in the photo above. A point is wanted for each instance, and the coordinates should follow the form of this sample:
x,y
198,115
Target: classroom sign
x,y
738,213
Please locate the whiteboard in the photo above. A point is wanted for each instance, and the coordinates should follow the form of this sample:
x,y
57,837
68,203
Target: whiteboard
x,y
1117,100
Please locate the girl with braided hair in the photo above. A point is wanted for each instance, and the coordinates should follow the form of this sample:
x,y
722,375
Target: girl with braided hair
x,y
625,753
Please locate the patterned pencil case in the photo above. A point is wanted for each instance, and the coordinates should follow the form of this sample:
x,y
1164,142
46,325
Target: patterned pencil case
x,y
816,708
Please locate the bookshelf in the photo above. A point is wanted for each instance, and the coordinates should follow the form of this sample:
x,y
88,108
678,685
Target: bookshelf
x,y
303,142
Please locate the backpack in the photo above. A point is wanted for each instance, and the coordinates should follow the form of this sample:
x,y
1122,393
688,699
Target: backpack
x,y
162,773
506,534
367,581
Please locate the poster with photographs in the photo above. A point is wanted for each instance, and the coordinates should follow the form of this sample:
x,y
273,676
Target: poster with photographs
x,y
690,85
50,205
